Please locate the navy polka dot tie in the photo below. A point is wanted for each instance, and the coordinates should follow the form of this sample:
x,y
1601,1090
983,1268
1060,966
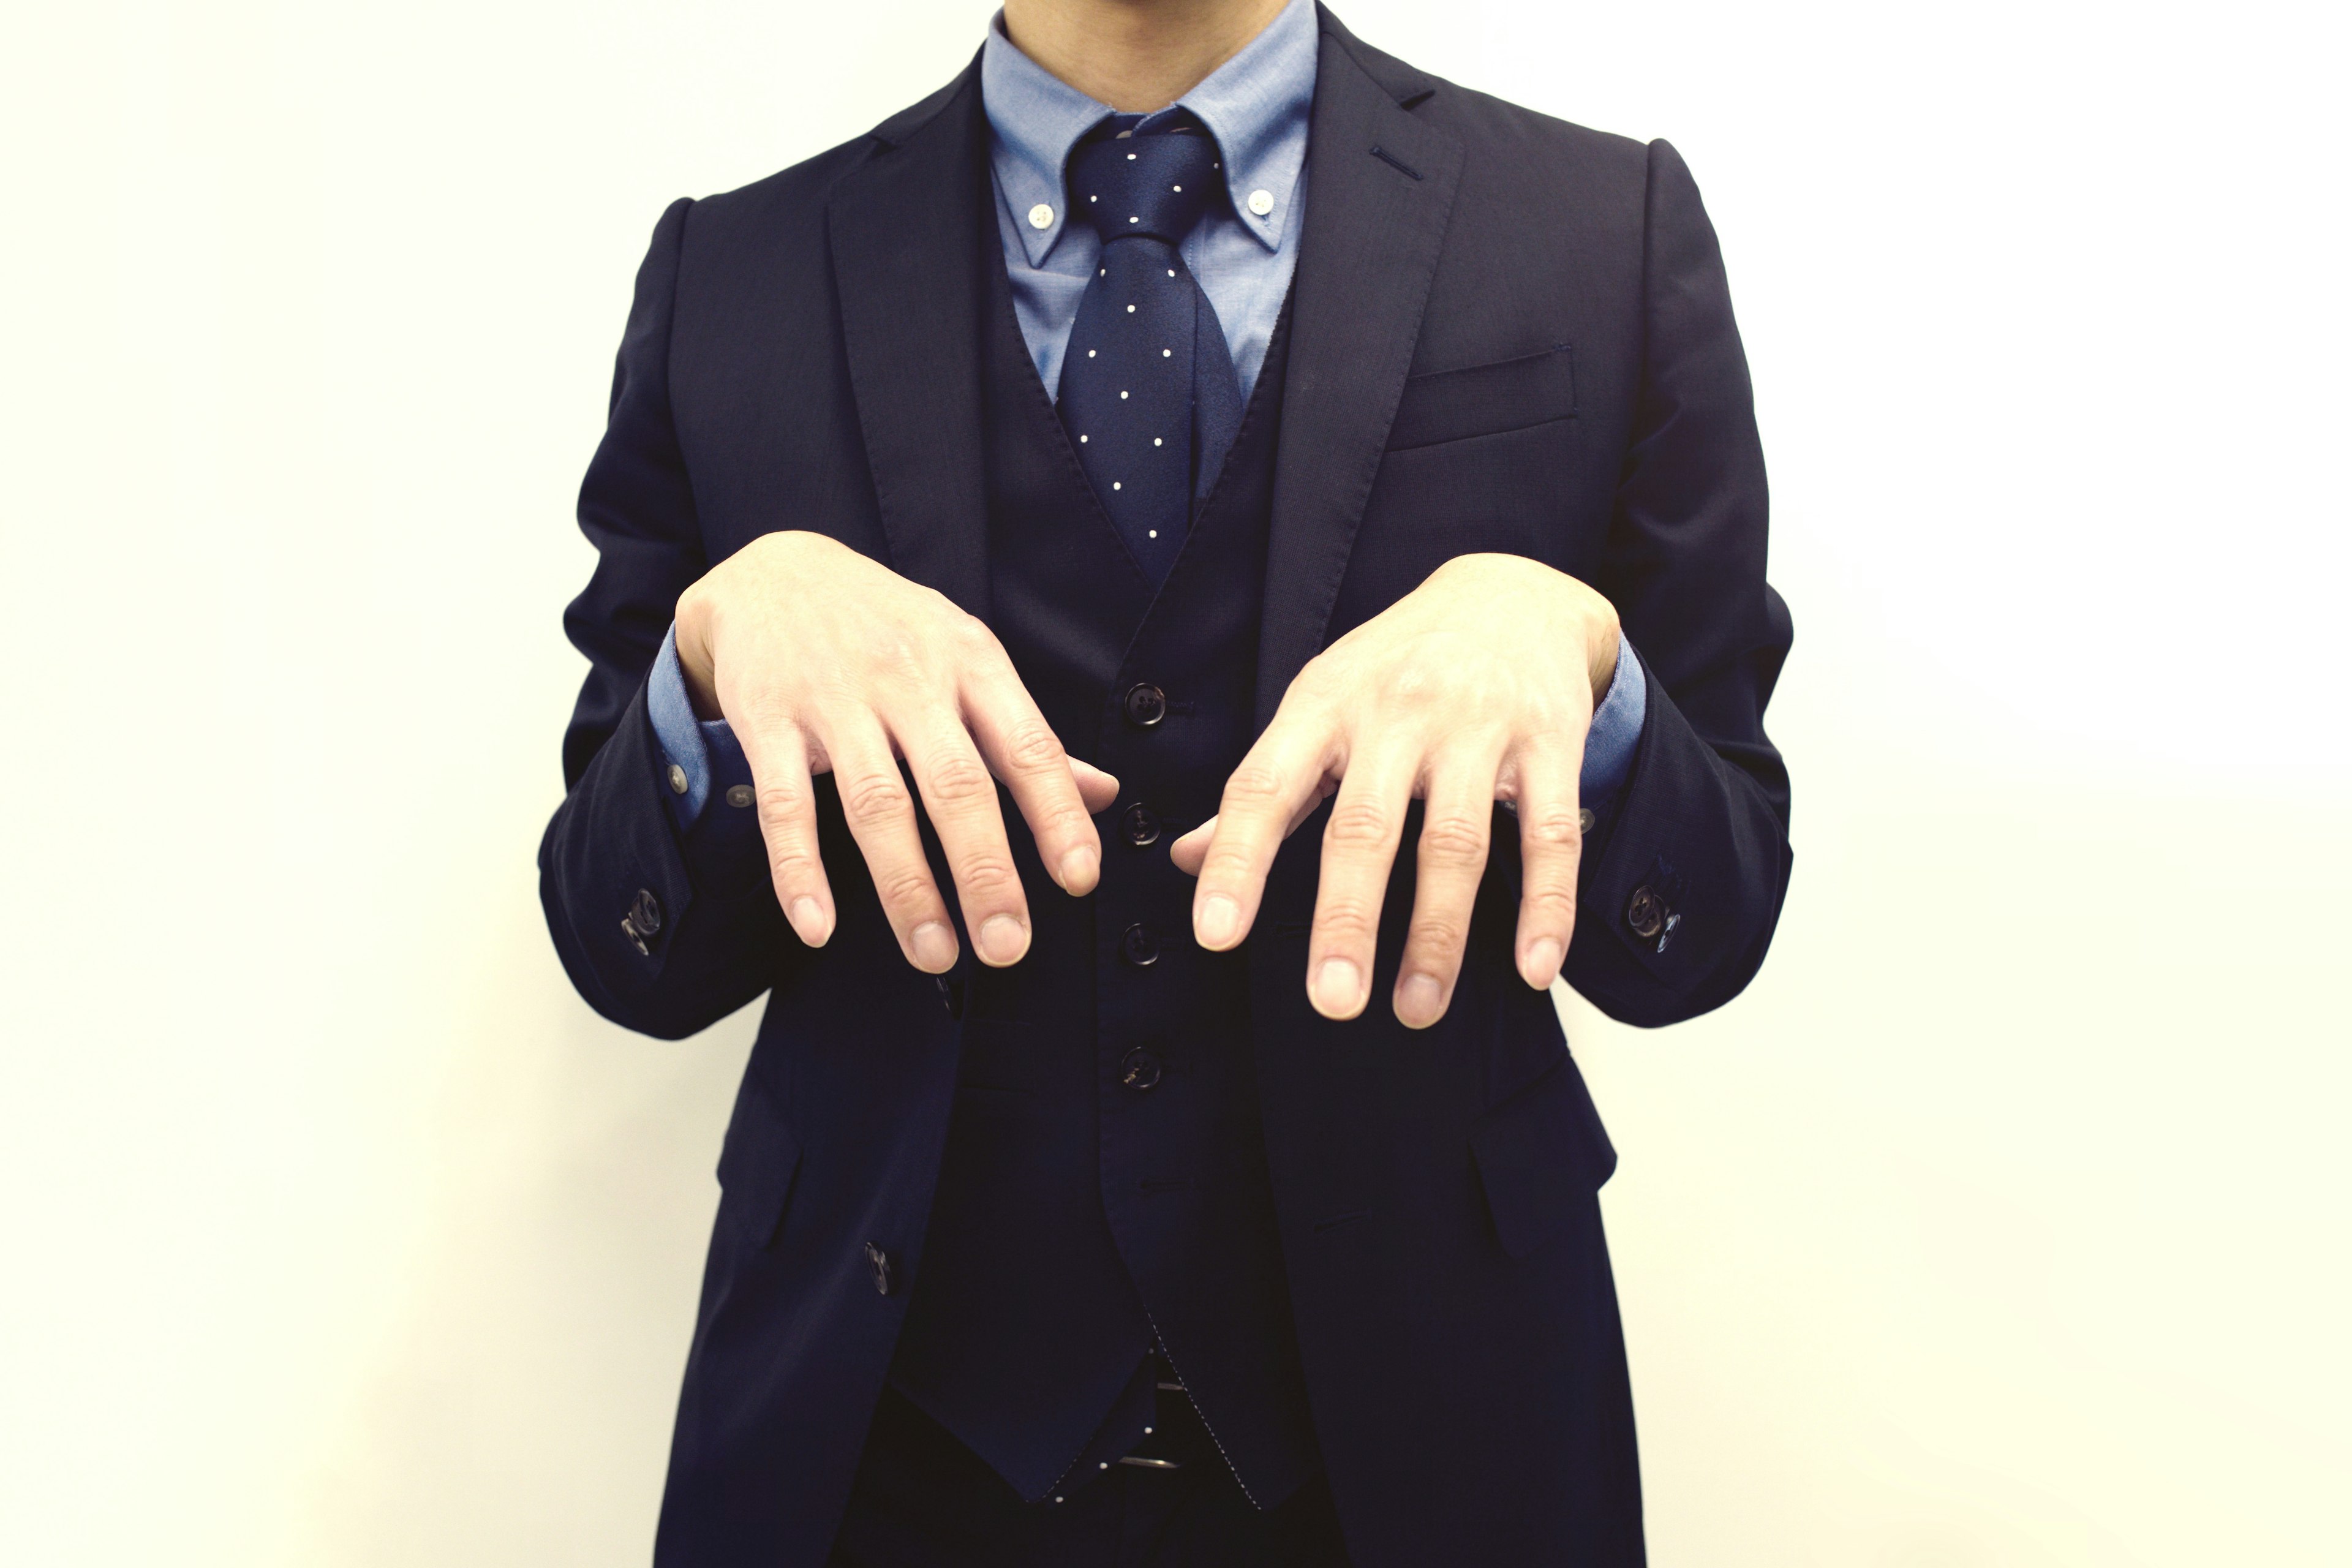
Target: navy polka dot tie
x,y
1146,366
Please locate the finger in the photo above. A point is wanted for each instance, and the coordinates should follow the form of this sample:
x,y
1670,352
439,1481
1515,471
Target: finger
x,y
1021,749
880,812
960,792
1277,784
1189,850
1359,845
1551,847
780,786
1456,821
1099,789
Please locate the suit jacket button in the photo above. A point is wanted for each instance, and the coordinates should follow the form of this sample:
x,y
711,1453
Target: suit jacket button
x,y
879,1261
1146,705
1139,946
1140,1070
1646,914
1140,827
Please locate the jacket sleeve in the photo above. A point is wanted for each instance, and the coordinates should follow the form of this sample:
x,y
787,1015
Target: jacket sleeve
x,y
1679,896
661,931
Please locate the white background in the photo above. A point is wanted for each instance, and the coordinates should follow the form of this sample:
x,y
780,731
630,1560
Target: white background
x,y
2002,1222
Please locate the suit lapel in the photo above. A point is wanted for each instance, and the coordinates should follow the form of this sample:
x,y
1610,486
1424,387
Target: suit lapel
x,y
902,227
1375,222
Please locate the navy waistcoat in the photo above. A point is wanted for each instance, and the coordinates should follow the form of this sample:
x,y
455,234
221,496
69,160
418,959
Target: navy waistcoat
x,y
1103,1183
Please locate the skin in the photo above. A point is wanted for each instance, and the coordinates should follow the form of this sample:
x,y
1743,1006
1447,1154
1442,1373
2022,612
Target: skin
x,y
1476,687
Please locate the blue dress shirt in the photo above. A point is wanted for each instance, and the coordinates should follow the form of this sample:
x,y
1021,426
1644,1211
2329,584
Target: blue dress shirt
x,y
1243,252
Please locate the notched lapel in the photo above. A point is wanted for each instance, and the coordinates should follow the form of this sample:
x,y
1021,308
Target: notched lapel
x,y
903,228
1379,193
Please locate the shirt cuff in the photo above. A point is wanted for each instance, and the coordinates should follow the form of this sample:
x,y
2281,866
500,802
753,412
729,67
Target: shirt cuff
x,y
702,753
1616,731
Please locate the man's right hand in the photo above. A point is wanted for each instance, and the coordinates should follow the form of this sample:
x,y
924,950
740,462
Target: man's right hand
x,y
821,660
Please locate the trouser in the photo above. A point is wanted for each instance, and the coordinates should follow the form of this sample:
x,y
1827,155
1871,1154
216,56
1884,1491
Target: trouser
x,y
922,1499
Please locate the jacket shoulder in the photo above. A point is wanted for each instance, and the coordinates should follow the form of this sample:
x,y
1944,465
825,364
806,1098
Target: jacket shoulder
x,y
798,194
1494,129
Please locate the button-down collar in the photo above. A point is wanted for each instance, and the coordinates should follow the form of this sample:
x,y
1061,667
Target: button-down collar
x,y
1256,105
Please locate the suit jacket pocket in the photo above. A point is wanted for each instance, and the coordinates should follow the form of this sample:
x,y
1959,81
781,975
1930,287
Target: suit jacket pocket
x,y
1541,1154
1486,399
756,1167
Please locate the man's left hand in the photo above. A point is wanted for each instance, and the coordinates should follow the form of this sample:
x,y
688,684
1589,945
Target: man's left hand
x,y
1476,687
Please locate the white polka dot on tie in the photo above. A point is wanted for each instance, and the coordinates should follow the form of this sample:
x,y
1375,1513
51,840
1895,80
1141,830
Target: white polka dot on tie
x,y
1090,353
1178,189
1082,440
1114,484
1093,198
1131,309
1130,157
1171,272
1155,440
1122,394
1166,353
1135,220
1155,533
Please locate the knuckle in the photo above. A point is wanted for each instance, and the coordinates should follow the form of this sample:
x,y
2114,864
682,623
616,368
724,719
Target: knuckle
x,y
1358,822
1552,830
791,865
1440,933
958,780
780,803
1252,784
907,888
1550,905
1033,747
874,798
1454,839
1345,921
985,877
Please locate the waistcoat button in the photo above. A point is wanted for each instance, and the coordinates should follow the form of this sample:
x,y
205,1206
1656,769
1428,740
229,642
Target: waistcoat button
x,y
1146,705
879,1261
1140,1070
1142,827
1139,946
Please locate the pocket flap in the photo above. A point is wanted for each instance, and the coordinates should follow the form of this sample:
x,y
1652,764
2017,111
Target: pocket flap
x,y
756,1167
1542,1154
1486,399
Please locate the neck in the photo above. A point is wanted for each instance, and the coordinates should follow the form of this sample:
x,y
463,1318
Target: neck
x,y
1137,56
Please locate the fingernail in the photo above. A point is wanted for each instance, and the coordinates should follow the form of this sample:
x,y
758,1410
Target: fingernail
x,y
1220,917
1541,965
1338,988
935,948
1003,939
1418,1000
1077,871
808,920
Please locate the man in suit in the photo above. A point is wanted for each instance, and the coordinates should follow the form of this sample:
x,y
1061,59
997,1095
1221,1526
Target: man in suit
x,y
1154,602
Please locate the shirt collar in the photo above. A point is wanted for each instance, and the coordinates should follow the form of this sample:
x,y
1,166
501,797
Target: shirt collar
x,y
1255,104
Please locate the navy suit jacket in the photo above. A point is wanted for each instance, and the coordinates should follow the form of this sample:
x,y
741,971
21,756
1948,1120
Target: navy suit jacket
x,y
1508,334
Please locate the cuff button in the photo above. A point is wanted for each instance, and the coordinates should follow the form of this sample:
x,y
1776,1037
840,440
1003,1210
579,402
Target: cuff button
x,y
1645,912
676,779
739,795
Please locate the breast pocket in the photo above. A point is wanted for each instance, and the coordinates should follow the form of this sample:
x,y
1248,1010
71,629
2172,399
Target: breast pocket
x,y
1542,1154
1486,399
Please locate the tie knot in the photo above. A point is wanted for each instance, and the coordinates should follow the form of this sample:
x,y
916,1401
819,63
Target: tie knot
x,y
1155,181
